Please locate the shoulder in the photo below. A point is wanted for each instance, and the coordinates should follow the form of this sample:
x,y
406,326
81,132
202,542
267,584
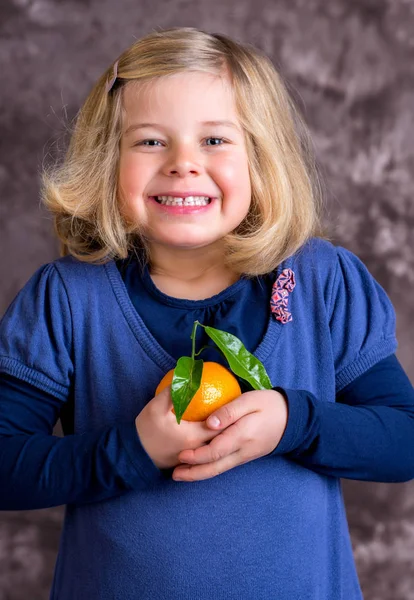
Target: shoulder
x,y
53,284
325,255
333,269
43,294
67,265
82,276
316,252
57,269
44,282
36,333
316,264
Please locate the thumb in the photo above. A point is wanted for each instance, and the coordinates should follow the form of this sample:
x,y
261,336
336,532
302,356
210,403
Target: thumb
x,y
164,398
229,413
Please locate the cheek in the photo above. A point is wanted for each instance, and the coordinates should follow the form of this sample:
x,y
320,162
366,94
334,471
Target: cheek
x,y
130,187
234,173
135,172
128,179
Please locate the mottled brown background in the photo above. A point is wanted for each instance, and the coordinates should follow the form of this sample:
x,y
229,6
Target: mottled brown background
x,y
350,65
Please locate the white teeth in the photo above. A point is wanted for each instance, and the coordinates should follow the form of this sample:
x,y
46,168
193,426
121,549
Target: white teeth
x,y
189,201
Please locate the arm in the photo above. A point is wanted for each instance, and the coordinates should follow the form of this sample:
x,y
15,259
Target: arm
x,y
368,433
39,470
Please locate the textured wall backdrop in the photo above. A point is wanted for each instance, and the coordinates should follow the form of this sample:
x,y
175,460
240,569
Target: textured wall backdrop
x,y
350,65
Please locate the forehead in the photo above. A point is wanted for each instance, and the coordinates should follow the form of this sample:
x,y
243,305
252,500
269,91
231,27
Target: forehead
x,y
174,96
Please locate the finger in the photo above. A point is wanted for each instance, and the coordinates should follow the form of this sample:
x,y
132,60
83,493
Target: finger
x,y
197,431
193,433
165,399
209,470
225,443
198,427
233,411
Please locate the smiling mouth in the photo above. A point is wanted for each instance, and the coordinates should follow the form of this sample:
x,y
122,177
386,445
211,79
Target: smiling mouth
x,y
188,201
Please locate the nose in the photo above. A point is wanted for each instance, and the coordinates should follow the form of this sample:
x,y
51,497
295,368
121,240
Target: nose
x,y
182,161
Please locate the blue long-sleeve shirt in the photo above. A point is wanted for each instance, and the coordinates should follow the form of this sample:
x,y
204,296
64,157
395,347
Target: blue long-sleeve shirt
x,y
374,442
68,346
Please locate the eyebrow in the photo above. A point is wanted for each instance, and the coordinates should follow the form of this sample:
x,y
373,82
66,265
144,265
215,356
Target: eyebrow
x,y
136,126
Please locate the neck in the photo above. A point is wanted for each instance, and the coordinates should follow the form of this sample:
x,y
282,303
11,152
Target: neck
x,y
185,265
199,272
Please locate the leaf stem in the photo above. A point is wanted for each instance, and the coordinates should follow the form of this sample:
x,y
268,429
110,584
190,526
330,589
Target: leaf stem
x,y
193,335
210,346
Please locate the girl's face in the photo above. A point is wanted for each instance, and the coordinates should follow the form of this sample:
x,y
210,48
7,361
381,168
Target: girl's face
x,y
182,137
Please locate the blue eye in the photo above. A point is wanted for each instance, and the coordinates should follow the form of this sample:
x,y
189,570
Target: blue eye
x,y
216,139
151,143
148,143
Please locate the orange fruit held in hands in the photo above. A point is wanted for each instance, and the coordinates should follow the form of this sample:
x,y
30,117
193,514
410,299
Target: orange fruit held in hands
x,y
218,387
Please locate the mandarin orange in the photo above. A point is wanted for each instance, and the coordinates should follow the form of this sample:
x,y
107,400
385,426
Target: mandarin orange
x,y
218,387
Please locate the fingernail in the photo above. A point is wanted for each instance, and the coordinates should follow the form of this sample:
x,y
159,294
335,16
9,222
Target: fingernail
x,y
214,421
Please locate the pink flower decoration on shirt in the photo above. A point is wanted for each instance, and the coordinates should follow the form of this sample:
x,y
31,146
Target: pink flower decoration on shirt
x,y
281,289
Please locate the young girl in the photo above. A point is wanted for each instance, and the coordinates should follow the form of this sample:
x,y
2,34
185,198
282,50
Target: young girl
x,y
188,192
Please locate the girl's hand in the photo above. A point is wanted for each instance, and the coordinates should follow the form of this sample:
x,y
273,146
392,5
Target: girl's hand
x,y
251,426
162,437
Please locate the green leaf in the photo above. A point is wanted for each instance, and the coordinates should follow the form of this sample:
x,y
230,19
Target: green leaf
x,y
241,361
185,383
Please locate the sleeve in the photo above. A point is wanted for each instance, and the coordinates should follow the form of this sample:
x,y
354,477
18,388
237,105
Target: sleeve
x,y
36,334
361,319
38,469
366,434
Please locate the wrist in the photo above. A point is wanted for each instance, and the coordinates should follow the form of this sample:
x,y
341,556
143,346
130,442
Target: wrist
x,y
298,412
284,412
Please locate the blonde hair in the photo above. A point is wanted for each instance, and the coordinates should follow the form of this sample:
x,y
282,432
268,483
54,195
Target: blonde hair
x,y
82,193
